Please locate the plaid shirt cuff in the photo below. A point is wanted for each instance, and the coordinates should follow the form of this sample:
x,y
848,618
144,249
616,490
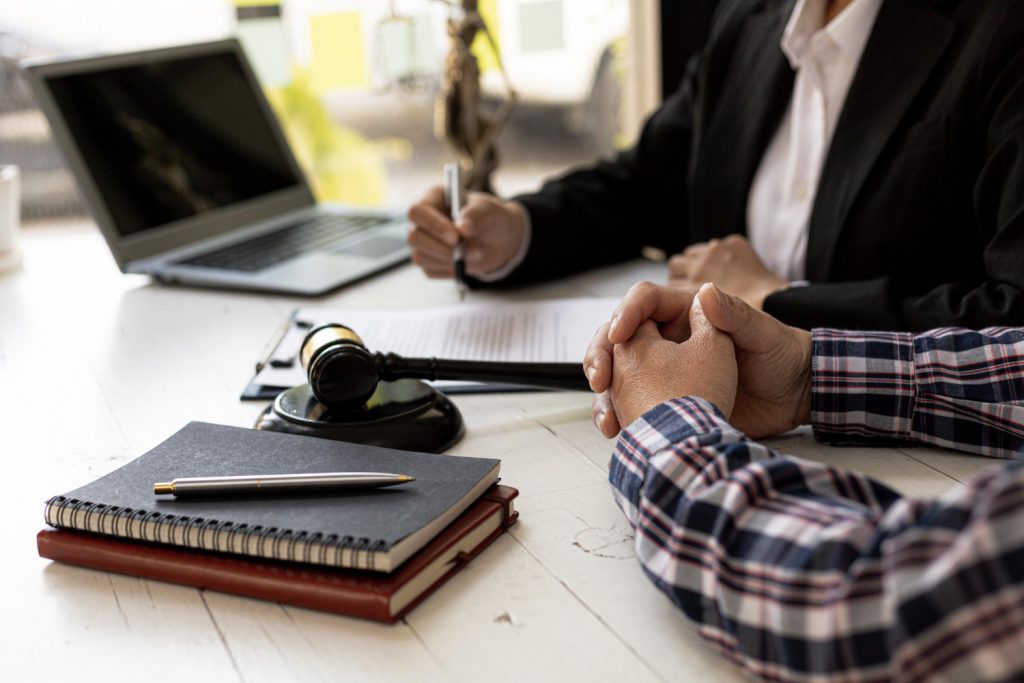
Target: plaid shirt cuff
x,y
863,386
666,424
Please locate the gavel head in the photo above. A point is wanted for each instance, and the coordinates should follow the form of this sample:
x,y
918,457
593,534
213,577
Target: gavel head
x,y
341,372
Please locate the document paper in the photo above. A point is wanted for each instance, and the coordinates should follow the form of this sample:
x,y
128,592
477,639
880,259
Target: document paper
x,y
554,330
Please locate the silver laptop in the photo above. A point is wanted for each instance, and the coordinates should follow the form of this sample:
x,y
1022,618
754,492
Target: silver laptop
x,y
189,176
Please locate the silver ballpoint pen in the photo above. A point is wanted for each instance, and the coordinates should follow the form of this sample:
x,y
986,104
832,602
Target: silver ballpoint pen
x,y
453,198
276,483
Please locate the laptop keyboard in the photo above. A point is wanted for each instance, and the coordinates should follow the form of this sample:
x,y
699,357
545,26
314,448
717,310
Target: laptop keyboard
x,y
284,243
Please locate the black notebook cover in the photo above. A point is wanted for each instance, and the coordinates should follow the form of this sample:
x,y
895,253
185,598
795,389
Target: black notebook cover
x,y
371,529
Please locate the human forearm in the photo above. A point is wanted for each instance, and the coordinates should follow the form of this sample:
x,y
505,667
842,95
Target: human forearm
x,y
883,304
782,561
950,387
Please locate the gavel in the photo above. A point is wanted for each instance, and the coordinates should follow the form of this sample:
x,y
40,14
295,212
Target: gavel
x,y
342,373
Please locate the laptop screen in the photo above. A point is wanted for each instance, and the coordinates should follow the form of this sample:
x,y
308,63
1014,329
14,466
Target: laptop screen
x,y
172,139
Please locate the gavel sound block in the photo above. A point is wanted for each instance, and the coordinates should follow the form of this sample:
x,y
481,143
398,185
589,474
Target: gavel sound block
x,y
356,395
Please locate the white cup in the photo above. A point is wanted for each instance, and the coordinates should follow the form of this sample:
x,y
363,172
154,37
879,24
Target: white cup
x,y
10,215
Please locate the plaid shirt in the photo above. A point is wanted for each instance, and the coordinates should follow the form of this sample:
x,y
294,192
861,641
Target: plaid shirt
x,y
798,571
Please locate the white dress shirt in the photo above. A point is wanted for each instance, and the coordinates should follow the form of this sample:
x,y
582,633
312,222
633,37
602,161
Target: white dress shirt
x,y
782,194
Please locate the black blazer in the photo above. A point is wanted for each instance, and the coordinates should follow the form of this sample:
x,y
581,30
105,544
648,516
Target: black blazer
x,y
919,217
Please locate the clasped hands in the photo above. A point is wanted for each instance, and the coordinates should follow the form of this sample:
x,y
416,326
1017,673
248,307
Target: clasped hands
x,y
731,263
668,342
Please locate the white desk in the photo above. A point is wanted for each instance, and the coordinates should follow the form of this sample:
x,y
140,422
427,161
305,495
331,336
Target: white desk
x,y
97,367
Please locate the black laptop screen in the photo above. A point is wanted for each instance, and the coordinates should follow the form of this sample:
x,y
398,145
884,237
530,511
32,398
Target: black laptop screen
x,y
171,140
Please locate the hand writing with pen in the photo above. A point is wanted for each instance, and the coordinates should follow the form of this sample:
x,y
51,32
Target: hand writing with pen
x,y
490,229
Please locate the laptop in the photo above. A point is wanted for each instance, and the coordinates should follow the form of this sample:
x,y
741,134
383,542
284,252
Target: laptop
x,y
188,174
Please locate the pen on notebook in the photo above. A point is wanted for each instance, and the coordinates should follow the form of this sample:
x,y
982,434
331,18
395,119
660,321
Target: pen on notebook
x,y
276,483
453,197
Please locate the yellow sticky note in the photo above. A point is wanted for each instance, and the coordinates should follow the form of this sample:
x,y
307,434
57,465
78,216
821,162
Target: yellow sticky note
x,y
339,60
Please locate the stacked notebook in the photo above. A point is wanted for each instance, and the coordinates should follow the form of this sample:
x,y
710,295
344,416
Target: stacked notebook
x,y
372,553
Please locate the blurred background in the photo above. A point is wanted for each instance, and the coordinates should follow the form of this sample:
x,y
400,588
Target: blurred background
x,y
355,83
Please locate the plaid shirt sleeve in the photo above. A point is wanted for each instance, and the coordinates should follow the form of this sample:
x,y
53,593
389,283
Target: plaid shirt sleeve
x,y
949,387
799,571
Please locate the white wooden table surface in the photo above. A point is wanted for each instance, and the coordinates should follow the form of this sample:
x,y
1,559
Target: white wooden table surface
x,y
96,367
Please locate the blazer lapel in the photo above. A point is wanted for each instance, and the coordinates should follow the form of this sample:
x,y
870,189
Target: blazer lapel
x,y
759,87
904,46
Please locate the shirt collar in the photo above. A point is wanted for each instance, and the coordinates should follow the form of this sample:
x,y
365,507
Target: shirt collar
x,y
848,32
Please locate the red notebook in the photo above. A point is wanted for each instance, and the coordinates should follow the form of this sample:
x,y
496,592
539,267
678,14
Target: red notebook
x,y
368,595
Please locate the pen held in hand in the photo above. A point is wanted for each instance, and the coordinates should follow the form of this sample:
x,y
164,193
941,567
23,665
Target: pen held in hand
x,y
453,198
277,483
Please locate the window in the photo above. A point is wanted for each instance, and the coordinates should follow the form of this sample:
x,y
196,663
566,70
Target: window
x,y
355,83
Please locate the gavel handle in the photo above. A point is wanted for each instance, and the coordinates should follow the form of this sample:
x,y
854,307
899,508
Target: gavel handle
x,y
391,366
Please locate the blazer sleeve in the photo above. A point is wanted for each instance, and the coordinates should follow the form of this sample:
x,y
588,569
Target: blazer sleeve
x,y
610,211
898,304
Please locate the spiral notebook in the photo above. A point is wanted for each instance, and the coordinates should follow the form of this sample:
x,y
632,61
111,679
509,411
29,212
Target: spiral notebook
x,y
368,595
375,530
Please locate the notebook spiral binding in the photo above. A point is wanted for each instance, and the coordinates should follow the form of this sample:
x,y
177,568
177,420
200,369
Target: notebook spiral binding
x,y
216,535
